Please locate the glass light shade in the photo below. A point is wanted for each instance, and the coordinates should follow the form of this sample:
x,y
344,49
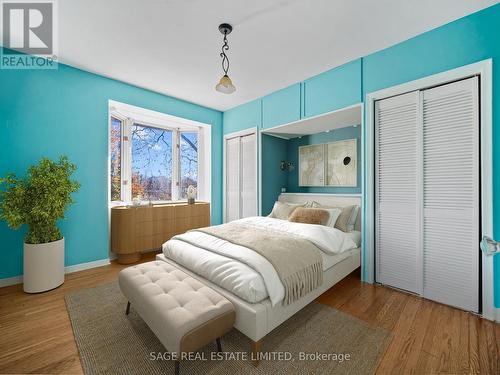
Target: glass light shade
x,y
225,85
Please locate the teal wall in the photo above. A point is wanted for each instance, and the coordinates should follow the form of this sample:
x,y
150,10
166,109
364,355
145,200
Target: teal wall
x,y
274,150
282,107
334,135
243,117
465,41
65,111
334,89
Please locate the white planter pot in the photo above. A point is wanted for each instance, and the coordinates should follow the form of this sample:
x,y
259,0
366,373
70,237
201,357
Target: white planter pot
x,y
43,266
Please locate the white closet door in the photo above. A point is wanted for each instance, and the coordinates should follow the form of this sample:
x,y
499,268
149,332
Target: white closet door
x,y
398,240
248,176
451,194
232,179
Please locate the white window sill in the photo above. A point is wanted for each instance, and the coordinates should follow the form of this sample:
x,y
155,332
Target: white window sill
x,y
146,203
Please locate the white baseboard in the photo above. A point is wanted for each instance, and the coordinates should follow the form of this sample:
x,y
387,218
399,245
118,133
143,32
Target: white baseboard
x,y
69,269
11,281
86,266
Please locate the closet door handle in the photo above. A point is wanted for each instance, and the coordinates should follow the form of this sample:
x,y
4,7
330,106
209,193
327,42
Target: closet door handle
x,y
489,246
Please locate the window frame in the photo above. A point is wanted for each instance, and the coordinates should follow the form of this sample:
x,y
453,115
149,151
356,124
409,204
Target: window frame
x,y
198,156
121,120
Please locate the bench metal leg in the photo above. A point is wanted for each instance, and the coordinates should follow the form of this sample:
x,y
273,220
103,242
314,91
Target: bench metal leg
x,y
127,311
219,345
177,367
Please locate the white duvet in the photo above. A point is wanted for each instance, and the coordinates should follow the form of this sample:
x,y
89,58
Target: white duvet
x,y
242,271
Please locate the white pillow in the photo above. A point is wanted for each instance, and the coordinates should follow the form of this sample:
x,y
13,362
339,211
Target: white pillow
x,y
334,215
352,218
283,210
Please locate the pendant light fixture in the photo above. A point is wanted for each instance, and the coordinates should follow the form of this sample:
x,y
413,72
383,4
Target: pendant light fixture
x,y
225,84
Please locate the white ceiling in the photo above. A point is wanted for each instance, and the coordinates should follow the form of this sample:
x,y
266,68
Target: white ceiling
x,y
172,46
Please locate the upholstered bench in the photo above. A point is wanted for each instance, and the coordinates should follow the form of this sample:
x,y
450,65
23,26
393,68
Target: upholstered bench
x,y
183,313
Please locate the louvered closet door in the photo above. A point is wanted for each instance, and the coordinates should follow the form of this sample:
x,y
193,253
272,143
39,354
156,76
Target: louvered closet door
x,y
232,179
397,193
451,194
248,176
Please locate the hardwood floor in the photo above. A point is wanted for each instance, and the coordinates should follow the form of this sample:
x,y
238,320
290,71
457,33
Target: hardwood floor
x,y
36,334
428,337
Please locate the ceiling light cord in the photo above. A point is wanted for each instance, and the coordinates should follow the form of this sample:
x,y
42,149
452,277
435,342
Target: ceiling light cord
x,y
225,59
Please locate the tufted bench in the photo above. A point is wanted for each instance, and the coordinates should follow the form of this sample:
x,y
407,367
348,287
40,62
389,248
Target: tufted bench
x,y
183,313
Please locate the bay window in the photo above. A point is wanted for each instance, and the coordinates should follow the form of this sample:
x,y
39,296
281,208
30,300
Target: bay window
x,y
153,161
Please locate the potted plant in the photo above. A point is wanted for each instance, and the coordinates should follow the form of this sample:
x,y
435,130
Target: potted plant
x,y
39,200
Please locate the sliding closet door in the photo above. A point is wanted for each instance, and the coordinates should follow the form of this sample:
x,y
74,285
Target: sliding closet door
x,y
248,176
232,178
397,192
451,194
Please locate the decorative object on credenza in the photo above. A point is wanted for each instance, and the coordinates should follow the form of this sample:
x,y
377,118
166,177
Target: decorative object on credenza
x,y
341,163
39,200
191,194
225,84
312,165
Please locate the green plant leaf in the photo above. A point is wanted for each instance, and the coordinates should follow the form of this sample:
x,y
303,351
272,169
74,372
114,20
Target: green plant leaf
x,y
40,199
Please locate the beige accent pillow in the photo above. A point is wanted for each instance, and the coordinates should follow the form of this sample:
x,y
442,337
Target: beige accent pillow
x,y
283,210
344,219
310,216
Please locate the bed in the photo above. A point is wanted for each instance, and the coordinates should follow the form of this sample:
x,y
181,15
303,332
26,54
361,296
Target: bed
x,y
258,313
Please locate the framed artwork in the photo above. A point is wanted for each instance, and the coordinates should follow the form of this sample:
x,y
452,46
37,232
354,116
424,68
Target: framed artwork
x,y
312,165
342,163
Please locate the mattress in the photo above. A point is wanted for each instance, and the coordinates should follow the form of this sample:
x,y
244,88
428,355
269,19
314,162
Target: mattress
x,y
234,276
245,272
331,260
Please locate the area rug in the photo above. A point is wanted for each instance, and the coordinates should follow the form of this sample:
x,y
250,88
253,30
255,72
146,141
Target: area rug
x,y
318,339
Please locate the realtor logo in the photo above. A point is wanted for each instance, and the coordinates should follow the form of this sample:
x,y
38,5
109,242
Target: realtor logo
x,y
28,34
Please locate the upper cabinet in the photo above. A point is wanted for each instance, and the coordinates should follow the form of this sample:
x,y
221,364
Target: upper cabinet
x,y
282,106
245,116
334,89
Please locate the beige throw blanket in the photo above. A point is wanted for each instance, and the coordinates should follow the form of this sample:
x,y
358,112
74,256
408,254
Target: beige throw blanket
x,y
296,260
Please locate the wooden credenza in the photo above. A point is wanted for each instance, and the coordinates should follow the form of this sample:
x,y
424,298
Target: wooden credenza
x,y
138,229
